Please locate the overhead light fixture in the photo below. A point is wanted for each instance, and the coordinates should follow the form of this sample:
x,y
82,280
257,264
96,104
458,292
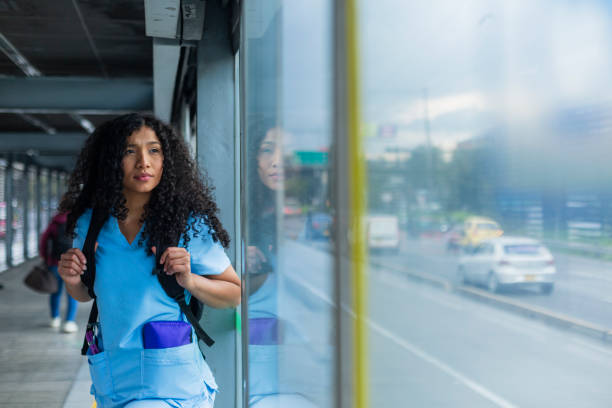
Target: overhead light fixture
x,y
85,124
38,123
18,59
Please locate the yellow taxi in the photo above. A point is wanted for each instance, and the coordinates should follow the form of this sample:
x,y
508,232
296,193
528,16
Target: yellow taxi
x,y
477,229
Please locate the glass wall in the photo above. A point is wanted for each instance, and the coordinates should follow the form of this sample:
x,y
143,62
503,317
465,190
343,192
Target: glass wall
x,y
488,134
19,187
286,70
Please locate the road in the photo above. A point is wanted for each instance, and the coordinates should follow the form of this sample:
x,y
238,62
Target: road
x,y
429,347
583,288
440,349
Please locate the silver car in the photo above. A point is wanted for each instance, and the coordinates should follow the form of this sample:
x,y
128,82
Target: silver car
x,y
509,261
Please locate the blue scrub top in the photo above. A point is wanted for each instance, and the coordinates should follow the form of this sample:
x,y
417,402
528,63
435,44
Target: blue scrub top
x,y
129,295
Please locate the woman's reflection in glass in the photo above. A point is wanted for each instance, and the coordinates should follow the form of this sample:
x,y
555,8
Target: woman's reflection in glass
x,y
266,180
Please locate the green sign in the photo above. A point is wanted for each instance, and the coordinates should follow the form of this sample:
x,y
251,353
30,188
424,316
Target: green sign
x,y
311,158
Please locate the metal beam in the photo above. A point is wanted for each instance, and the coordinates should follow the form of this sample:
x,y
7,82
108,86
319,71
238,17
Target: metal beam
x,y
83,95
162,18
216,153
32,142
166,55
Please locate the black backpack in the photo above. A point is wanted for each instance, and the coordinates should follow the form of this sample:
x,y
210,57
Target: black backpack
x,y
193,311
60,242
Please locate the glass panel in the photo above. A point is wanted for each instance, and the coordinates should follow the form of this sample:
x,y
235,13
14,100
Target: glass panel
x,y
287,105
3,215
489,121
54,195
19,191
44,195
32,234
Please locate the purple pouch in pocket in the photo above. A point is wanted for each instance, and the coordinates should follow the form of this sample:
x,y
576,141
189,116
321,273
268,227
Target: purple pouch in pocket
x,y
164,334
263,331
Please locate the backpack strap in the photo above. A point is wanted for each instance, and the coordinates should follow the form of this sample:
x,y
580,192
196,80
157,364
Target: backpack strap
x,y
177,292
98,218
93,317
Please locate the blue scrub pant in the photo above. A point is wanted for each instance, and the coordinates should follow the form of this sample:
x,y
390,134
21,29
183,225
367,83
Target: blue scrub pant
x,y
55,298
164,403
152,403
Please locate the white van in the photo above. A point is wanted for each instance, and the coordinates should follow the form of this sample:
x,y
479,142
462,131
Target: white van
x,y
383,232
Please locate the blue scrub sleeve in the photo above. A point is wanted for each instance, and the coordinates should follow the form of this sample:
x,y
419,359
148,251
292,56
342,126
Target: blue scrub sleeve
x,y
207,257
81,228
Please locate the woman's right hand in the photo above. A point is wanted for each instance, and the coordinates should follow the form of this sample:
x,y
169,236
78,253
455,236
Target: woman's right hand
x,y
71,265
255,258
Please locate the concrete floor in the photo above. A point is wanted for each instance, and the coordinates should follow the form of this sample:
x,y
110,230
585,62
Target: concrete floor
x,y
39,366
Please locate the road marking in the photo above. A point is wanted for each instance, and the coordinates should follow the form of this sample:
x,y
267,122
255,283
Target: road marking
x,y
491,396
594,347
441,301
526,330
584,353
589,275
473,385
396,281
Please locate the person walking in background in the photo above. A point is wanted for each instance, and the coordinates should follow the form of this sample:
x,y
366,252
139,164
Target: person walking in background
x,y
53,243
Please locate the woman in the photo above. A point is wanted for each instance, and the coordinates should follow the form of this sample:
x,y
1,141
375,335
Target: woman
x,y
141,171
53,242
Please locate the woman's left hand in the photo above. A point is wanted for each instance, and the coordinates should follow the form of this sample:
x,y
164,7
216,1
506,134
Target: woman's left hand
x,y
177,261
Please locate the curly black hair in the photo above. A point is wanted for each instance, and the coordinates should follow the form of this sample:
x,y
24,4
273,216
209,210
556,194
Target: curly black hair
x,y
97,182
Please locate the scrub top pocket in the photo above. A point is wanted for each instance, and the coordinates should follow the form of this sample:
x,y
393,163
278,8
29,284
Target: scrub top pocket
x,y
101,379
172,372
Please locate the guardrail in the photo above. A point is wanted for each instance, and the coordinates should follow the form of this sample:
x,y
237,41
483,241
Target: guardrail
x,y
531,311
580,248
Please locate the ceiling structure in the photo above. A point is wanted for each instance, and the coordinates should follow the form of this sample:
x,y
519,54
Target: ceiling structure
x,y
66,66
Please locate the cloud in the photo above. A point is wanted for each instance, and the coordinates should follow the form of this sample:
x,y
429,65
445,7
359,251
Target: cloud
x,y
442,105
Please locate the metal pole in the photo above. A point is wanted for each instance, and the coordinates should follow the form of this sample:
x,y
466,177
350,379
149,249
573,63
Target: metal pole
x,y
64,183
8,199
57,191
26,209
38,193
350,203
49,195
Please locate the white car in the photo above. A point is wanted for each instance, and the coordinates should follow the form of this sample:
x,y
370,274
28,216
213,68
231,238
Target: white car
x,y
509,261
383,232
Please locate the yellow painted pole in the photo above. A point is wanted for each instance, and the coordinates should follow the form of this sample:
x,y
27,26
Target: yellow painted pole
x,y
357,208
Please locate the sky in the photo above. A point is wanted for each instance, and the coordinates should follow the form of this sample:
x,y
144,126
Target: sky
x,y
471,64
480,62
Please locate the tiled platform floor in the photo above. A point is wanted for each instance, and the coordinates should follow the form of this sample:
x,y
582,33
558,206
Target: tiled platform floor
x,y
39,366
